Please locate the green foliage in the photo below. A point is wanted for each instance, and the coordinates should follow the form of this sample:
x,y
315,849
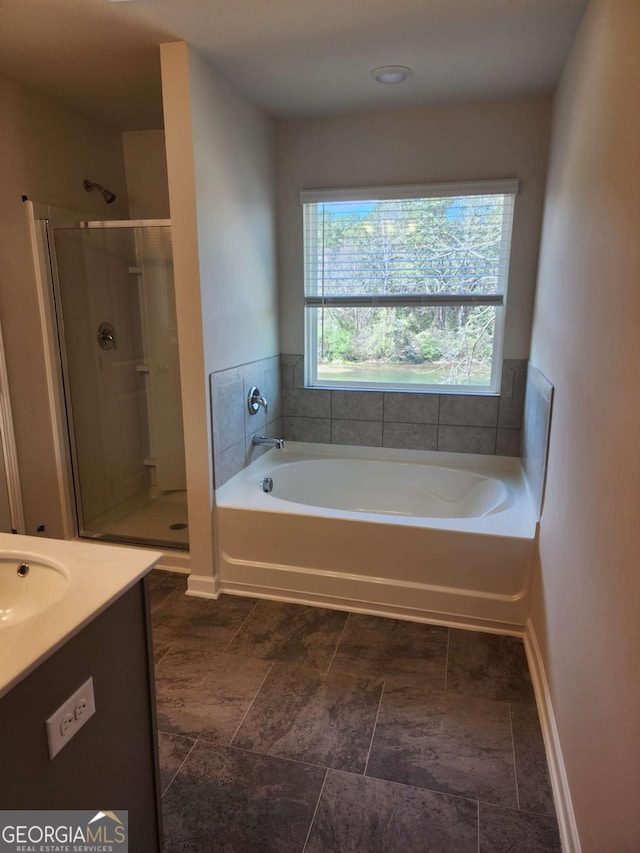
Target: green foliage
x,y
429,347
337,343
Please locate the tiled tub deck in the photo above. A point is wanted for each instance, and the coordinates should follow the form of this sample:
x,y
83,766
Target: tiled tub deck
x,y
291,728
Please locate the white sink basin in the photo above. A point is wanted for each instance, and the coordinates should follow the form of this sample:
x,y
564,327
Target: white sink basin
x,y
28,586
67,586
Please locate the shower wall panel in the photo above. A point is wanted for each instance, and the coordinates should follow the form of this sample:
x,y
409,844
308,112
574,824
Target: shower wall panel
x,y
160,343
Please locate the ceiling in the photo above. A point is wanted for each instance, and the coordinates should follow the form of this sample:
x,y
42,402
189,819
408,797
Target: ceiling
x,y
292,57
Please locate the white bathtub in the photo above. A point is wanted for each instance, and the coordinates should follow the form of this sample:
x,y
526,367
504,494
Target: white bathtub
x,y
391,488
437,536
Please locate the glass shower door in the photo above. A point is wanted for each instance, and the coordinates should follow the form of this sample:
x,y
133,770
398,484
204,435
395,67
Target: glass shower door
x,y
115,305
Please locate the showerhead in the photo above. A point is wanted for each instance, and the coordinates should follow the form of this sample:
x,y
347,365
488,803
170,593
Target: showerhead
x,y
107,195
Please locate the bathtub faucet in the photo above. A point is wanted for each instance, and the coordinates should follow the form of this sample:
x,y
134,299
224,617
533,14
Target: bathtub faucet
x,y
260,440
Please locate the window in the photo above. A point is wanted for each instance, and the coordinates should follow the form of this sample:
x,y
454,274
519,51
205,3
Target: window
x,y
405,287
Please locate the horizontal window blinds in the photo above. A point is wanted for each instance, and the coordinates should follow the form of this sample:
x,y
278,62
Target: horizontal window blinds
x,y
446,248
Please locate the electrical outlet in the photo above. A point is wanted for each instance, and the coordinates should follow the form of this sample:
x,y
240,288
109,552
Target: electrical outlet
x,y
64,723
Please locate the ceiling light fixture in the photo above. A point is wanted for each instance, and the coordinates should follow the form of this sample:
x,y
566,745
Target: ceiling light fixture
x,y
391,74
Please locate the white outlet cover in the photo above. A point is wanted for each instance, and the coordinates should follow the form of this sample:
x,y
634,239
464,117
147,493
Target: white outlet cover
x,y
85,698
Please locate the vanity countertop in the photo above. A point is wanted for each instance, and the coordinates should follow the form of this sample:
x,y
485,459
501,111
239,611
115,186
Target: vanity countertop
x,y
67,585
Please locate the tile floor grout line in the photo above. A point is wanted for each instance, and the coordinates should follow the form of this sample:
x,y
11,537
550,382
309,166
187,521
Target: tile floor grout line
x,y
436,791
466,797
335,651
173,778
244,716
154,607
373,733
515,763
255,752
525,811
446,663
159,661
224,651
315,812
514,809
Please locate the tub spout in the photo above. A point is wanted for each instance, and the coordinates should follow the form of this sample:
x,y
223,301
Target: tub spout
x,y
260,440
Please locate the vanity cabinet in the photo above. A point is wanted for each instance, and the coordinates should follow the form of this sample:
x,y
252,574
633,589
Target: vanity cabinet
x,y
111,762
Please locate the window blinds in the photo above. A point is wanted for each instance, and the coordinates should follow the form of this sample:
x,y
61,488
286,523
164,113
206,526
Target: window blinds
x,y
431,244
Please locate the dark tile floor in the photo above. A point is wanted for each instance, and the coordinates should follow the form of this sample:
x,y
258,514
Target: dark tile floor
x,y
289,728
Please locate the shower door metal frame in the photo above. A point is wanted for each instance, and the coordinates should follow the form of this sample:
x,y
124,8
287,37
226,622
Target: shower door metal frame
x,y
9,449
118,223
56,307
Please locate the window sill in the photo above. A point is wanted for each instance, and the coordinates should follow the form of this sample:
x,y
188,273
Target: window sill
x,y
395,389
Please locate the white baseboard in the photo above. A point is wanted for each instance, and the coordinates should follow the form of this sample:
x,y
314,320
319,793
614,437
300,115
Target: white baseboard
x,y
559,782
202,586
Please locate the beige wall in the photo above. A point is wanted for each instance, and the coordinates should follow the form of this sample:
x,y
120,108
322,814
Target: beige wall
x,y
145,162
47,151
222,208
586,609
422,145
235,195
186,266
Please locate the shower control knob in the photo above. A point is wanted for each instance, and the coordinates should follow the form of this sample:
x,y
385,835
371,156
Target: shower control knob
x,y
255,400
107,336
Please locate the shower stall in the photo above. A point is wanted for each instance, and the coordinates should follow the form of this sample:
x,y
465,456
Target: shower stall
x,y
115,312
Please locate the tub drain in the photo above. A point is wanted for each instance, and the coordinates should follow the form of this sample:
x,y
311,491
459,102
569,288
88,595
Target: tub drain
x,y
180,526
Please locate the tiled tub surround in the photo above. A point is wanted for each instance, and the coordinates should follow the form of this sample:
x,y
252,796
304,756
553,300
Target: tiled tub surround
x,y
457,423
233,427
291,728
535,434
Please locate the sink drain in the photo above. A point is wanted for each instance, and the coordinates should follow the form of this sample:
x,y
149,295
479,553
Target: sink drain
x,y
180,526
